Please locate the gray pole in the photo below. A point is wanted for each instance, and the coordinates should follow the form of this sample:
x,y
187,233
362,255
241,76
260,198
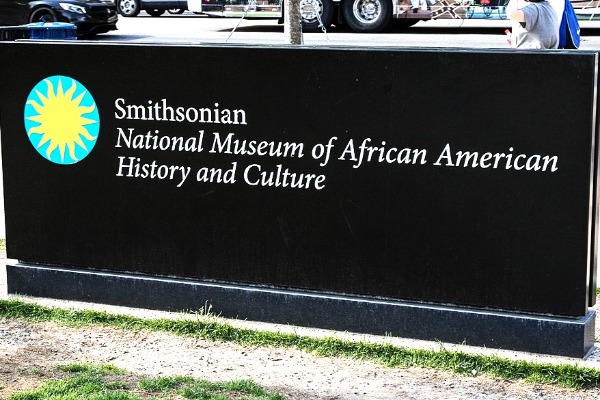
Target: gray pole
x,y
292,24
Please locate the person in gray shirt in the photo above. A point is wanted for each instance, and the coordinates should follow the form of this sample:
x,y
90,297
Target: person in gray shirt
x,y
535,24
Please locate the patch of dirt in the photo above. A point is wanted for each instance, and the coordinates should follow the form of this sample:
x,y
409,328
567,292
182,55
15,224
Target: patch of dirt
x,y
30,352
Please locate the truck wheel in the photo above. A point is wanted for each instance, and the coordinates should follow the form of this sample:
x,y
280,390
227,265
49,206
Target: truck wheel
x,y
128,8
309,10
367,16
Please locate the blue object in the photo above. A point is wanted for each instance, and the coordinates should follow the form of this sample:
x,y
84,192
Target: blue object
x,y
52,30
569,34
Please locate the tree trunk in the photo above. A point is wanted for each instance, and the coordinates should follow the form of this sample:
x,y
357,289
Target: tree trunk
x,y
292,21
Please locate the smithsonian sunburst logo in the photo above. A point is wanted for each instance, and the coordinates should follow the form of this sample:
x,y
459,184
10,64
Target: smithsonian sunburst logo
x,y
61,119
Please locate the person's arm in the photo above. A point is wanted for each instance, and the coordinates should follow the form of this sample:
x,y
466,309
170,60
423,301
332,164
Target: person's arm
x,y
514,12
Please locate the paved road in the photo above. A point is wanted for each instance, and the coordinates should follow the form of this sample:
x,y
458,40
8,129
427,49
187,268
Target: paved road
x,y
193,29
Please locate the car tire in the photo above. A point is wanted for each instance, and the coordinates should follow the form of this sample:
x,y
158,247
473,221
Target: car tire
x,y
176,11
42,14
153,12
128,8
310,22
367,16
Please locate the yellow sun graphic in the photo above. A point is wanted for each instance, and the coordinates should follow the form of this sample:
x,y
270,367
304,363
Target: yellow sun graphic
x,y
62,125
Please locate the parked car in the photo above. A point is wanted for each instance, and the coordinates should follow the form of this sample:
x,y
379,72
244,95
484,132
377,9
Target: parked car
x,y
156,8
89,16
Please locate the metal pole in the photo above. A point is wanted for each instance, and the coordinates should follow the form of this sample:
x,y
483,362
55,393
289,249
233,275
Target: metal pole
x,y
292,24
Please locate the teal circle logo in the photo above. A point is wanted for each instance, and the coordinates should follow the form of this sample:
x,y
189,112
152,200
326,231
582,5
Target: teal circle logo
x,y
61,120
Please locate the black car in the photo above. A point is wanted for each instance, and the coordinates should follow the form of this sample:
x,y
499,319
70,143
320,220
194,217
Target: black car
x,y
89,16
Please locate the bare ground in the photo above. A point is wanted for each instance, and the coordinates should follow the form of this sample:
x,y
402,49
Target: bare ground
x,y
29,353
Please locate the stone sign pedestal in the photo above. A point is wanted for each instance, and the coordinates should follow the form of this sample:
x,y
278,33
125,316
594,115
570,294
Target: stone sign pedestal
x,y
570,337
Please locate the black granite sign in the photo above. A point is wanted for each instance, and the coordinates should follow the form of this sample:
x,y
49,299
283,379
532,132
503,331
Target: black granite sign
x,y
462,178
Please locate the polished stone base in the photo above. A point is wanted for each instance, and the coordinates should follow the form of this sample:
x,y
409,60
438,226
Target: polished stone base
x,y
502,330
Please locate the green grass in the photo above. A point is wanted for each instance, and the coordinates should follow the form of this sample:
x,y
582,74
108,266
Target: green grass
x,y
105,382
211,328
